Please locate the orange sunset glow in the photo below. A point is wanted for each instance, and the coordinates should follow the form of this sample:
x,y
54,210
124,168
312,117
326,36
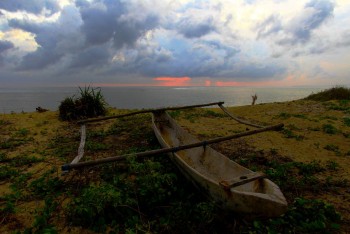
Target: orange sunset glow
x,y
173,81
289,80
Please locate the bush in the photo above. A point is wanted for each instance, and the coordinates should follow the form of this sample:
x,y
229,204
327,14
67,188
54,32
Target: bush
x,y
91,103
335,93
303,216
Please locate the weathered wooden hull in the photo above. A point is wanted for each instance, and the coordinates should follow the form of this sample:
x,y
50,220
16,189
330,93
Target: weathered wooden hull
x,y
206,168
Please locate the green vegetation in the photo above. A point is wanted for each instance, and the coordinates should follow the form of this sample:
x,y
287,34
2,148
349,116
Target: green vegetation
x,y
284,115
16,138
305,216
335,93
288,133
331,165
334,148
329,129
90,104
151,195
347,121
193,114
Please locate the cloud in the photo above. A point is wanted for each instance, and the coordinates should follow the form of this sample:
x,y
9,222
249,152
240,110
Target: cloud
x,y
314,14
298,29
99,23
32,6
184,58
192,27
111,20
95,56
55,39
271,25
107,36
245,71
344,39
198,19
127,41
4,46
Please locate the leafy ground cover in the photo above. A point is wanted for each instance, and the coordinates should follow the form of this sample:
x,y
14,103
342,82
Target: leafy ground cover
x,y
309,160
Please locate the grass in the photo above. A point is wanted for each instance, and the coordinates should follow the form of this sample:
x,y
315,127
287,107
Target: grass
x,y
334,148
151,195
288,133
335,93
329,129
346,121
284,115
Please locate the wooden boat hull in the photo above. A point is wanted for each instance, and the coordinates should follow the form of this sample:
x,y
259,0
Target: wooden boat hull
x,y
207,169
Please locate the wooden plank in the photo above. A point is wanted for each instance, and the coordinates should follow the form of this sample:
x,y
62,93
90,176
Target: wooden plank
x,y
242,180
238,119
81,146
67,167
147,111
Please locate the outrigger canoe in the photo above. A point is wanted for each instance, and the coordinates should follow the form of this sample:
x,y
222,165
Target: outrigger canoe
x,y
229,184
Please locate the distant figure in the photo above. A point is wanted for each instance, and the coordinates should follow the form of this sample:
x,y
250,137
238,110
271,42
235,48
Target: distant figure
x,y
254,99
40,110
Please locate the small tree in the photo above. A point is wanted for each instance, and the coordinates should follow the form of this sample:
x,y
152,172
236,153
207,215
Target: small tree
x,y
254,97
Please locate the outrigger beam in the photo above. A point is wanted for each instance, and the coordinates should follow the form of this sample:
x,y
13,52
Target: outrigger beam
x,y
147,111
78,165
238,119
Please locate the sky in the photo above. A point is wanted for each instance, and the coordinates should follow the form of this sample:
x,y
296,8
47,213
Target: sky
x,y
174,43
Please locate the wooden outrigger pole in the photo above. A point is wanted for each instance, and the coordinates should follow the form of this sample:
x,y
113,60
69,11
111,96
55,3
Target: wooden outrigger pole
x,y
83,122
68,167
238,119
75,164
147,111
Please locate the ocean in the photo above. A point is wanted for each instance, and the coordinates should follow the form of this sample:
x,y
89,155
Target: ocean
x,y
27,99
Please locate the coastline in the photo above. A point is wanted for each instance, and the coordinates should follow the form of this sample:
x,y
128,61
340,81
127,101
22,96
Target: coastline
x,y
26,100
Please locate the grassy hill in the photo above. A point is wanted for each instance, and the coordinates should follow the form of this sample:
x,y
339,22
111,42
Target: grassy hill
x,y
309,160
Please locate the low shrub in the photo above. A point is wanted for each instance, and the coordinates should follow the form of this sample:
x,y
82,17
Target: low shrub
x,y
335,93
329,129
90,104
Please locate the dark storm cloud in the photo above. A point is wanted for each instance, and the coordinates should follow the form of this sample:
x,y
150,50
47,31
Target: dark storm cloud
x,y
203,59
178,57
54,40
32,6
128,31
99,25
113,23
118,38
192,27
95,56
83,37
39,59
